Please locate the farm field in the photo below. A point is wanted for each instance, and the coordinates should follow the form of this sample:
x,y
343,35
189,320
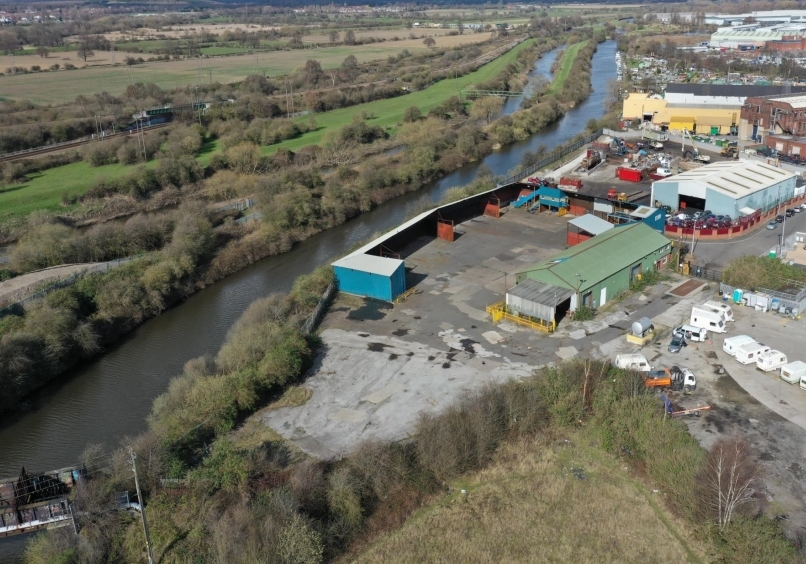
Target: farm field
x,y
63,86
543,501
390,111
62,58
44,190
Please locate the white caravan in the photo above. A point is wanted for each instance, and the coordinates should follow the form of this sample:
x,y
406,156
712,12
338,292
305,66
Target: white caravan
x,y
732,343
793,372
747,354
707,318
637,362
721,306
771,360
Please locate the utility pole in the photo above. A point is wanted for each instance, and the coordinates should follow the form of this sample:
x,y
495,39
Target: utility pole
x,y
142,507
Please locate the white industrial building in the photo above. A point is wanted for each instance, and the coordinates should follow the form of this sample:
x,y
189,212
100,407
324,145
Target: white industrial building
x,y
753,35
768,17
732,188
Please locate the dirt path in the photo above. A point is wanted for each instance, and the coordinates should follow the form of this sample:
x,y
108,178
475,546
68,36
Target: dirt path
x,y
17,288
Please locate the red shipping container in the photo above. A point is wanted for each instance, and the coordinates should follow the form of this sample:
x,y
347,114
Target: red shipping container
x,y
630,174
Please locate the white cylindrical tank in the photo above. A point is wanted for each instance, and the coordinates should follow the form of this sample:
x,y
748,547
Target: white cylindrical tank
x,y
640,327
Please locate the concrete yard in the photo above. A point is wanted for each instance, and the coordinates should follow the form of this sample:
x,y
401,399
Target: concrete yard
x,y
382,366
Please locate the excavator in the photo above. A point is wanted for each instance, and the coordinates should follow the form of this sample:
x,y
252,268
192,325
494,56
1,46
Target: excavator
x,y
694,154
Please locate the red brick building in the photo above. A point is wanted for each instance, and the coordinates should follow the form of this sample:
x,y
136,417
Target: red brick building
x,y
788,44
770,115
787,145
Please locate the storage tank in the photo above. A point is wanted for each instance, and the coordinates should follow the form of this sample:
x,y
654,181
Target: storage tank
x,y
641,327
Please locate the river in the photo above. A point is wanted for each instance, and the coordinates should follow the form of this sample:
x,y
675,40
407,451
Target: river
x,y
109,398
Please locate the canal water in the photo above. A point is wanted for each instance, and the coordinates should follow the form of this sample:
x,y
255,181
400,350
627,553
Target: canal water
x,y
110,397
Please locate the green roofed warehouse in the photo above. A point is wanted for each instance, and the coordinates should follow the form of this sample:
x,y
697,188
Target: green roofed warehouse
x,y
592,272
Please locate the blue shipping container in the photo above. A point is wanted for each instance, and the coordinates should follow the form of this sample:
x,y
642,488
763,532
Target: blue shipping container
x,y
370,276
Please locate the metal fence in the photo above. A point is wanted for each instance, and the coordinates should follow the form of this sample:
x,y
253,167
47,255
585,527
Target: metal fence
x,y
551,159
313,320
705,273
18,306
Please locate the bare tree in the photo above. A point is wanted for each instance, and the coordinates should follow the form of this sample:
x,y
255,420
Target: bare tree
x,y
334,37
729,479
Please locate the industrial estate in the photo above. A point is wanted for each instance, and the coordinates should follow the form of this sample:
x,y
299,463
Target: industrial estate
x,y
540,265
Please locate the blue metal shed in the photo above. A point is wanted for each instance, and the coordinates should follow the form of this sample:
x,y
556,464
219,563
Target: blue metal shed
x,y
552,197
370,276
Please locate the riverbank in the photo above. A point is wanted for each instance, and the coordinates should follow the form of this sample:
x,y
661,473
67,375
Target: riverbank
x,y
124,313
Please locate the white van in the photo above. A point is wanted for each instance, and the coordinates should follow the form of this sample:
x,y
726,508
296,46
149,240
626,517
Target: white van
x,y
707,318
747,354
771,360
793,372
691,333
732,343
637,362
721,306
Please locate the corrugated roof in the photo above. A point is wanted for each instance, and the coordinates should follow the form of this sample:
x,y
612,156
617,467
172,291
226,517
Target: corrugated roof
x,y
370,263
794,101
592,224
747,90
735,179
540,292
643,212
598,258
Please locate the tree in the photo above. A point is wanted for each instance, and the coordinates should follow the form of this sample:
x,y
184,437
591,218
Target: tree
x,y
487,108
313,72
130,61
461,29
349,67
85,47
349,37
429,42
43,51
334,36
729,480
412,114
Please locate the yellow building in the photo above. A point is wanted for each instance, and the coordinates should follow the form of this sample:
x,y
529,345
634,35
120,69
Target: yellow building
x,y
700,118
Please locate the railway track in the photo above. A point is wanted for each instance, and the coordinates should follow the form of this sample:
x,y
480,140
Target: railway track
x,y
9,157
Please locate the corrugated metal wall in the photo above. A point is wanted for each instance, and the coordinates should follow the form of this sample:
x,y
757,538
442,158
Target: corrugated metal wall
x,y
528,307
363,283
398,281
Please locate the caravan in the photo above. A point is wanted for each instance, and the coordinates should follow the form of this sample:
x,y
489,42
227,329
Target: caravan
x,y
771,360
748,354
793,372
707,318
637,362
691,333
720,306
732,343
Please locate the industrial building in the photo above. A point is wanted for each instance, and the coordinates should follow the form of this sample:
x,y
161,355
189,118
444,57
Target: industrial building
x,y
727,188
381,278
771,115
752,36
590,273
713,109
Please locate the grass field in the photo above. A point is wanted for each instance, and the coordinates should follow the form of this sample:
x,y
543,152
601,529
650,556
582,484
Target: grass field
x,y
44,190
569,55
389,112
64,86
545,501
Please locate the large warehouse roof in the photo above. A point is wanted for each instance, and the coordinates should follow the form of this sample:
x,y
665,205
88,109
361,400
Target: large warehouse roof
x,y
597,259
592,224
796,102
732,89
735,179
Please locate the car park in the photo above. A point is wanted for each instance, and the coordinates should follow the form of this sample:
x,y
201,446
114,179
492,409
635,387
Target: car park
x,y
772,225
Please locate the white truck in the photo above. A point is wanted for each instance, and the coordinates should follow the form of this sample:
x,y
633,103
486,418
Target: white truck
x,y
747,354
708,318
691,333
732,343
794,372
637,362
771,360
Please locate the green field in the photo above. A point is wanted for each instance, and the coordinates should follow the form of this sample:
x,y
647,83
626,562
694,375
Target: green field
x,y
44,189
569,55
390,112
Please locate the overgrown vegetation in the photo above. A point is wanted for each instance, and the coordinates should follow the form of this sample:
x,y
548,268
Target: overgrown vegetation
x,y
268,503
752,273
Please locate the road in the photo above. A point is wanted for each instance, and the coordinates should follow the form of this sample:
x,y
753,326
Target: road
x,y
717,254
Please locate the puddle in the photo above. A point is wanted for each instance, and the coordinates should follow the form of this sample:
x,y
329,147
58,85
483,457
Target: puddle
x,y
376,347
400,332
372,310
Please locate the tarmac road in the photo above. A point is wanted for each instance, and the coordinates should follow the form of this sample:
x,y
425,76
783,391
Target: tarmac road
x,y
717,254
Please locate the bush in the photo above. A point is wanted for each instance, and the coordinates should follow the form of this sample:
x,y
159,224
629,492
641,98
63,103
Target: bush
x,y
412,114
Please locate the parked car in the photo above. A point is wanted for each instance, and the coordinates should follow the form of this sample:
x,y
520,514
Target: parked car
x,y
678,342
798,209
683,216
790,213
779,218
803,206
772,225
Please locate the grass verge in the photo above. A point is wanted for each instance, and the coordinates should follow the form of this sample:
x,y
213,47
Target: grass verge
x,y
565,66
